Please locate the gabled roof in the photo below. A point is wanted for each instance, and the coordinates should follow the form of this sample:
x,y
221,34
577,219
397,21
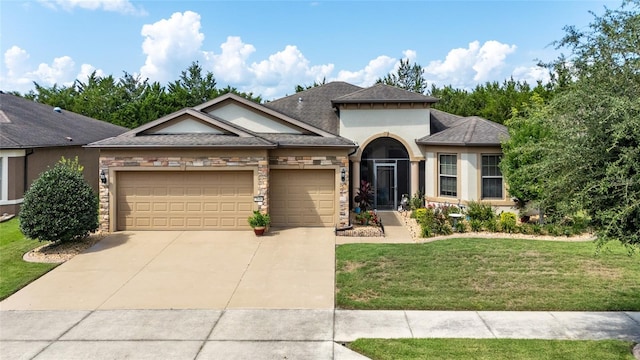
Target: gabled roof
x,y
467,131
262,109
28,124
314,106
381,93
228,135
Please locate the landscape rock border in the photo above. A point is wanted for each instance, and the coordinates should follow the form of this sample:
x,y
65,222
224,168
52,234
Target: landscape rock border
x,y
57,253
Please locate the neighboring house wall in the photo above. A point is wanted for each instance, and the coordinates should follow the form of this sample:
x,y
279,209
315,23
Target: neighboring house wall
x,y
468,175
21,167
12,180
399,120
43,159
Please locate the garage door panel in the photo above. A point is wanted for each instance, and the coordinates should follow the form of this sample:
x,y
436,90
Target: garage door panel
x,y
302,197
184,200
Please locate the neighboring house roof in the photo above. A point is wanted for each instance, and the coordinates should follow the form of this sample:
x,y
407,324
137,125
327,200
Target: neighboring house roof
x,y
314,106
464,131
223,133
28,124
381,93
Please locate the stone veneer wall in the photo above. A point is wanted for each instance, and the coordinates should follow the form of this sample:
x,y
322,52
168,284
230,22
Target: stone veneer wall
x,y
298,162
179,163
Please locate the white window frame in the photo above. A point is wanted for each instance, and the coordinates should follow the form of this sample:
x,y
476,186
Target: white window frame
x,y
483,176
4,186
450,176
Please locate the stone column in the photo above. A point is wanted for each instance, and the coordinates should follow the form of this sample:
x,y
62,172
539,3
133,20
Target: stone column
x,y
355,183
415,177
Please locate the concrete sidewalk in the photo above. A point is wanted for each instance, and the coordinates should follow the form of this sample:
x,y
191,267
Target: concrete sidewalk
x,y
276,334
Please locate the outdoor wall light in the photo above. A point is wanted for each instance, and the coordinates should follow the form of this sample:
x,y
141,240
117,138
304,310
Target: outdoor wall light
x,y
343,174
103,177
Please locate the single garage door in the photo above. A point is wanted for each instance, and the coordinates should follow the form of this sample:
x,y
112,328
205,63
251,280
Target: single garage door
x,y
196,200
302,197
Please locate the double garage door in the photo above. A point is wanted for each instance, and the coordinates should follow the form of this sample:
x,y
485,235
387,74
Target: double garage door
x,y
210,200
196,200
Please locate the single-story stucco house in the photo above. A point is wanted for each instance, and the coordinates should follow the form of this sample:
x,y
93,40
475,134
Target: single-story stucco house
x,y
300,158
34,137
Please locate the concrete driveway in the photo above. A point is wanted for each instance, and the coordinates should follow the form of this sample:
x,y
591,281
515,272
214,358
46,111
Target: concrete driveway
x,y
286,269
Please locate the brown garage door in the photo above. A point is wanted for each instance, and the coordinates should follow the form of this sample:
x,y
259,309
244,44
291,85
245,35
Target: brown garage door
x,y
302,197
196,200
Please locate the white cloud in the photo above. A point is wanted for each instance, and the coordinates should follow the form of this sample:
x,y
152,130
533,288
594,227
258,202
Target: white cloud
x,y
61,71
282,71
531,74
230,65
86,70
119,6
465,67
171,44
20,75
376,68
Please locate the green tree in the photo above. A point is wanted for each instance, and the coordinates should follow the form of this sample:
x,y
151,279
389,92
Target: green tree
x,y
408,77
193,87
594,150
300,88
524,153
60,205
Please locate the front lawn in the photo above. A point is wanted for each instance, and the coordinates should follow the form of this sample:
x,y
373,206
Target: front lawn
x,y
16,273
493,349
487,274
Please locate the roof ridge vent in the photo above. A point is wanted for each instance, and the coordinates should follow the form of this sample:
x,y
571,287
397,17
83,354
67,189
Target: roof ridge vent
x,y
57,109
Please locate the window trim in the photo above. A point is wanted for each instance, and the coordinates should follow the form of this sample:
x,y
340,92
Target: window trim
x,y
482,177
441,175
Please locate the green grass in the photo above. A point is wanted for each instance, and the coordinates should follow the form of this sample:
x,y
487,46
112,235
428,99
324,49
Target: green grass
x,y
493,349
16,273
487,274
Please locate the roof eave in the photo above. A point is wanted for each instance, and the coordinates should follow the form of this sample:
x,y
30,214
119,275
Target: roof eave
x,y
270,146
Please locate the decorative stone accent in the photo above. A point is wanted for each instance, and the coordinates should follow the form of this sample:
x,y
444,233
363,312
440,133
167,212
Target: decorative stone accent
x,y
259,162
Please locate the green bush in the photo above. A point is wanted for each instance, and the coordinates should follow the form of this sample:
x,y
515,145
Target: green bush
x,y
477,210
508,221
416,201
476,225
461,226
60,205
490,225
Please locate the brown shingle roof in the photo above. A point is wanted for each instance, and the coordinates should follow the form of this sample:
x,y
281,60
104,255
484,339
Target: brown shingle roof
x,y
381,93
469,131
314,106
28,124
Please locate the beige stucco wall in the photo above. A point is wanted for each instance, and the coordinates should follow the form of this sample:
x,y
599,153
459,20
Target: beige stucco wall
x,y
249,119
360,124
469,175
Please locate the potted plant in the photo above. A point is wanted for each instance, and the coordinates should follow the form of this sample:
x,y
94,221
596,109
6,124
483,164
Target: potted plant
x,y
259,222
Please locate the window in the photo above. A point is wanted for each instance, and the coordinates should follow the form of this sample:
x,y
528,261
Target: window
x,y
491,177
2,180
448,175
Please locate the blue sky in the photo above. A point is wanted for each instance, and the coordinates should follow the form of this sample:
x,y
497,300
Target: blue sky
x,y
268,47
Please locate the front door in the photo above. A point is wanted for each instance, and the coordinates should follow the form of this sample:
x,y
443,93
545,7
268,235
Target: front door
x,y
385,191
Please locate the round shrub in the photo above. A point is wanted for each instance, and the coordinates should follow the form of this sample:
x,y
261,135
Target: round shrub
x,y
59,205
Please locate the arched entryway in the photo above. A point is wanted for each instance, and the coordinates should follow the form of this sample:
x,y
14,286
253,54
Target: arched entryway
x,y
385,164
